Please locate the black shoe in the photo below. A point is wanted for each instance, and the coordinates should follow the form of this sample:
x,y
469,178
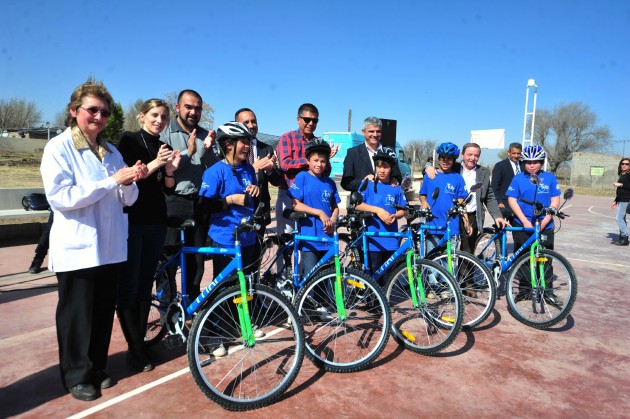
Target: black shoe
x,y
85,392
623,241
36,266
102,380
139,362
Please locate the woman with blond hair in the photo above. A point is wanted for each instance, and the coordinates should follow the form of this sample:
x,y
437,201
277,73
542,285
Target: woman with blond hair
x,y
147,225
87,184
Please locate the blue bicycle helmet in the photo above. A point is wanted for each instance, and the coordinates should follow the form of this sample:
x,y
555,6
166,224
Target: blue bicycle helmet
x,y
533,153
447,149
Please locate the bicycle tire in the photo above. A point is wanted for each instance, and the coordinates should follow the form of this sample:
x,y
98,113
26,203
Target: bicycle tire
x,y
274,271
343,345
166,286
433,325
476,282
238,380
533,306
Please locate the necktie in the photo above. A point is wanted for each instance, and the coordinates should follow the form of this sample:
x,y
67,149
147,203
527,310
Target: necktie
x,y
517,168
250,155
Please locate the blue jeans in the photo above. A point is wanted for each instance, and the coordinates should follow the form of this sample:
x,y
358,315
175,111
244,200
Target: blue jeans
x,y
144,247
621,218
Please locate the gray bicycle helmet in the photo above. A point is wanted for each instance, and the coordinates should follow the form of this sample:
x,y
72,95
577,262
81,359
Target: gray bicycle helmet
x,y
317,145
231,131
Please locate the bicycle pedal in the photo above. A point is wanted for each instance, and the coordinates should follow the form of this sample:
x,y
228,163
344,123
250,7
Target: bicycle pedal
x,y
173,341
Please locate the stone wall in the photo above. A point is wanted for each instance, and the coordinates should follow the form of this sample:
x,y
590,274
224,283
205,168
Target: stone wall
x,y
587,166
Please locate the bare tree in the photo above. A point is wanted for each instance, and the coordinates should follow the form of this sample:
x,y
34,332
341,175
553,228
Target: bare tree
x,y
131,116
207,114
61,119
568,129
16,113
419,150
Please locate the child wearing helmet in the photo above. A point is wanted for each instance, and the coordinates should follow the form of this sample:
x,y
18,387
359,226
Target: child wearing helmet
x,y
451,186
379,197
232,181
547,192
315,193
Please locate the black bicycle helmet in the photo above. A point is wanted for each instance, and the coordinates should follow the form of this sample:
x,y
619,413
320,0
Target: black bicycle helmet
x,y
317,145
447,149
231,131
385,154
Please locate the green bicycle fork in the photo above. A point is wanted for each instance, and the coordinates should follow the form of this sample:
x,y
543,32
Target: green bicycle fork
x,y
533,260
243,312
341,309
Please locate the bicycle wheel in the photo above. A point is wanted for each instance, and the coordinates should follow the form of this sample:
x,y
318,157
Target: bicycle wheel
x,y
248,376
164,291
476,282
350,344
432,325
275,271
537,307
486,249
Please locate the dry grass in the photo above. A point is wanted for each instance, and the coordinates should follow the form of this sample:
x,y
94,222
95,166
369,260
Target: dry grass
x,y
20,170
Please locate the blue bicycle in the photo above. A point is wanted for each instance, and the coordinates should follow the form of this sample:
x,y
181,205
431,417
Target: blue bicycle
x,y
541,283
424,299
344,313
246,345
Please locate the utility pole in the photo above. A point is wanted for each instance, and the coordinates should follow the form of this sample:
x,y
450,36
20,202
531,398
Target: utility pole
x,y
623,153
349,120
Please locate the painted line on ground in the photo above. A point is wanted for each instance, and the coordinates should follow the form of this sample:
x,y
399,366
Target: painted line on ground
x,y
128,395
621,265
148,386
597,213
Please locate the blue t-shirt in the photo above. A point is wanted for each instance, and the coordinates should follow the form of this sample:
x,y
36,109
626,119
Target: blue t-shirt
x,y
218,182
319,193
521,187
386,196
452,186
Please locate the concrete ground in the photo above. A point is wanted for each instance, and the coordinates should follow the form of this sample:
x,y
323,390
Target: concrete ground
x,y
580,368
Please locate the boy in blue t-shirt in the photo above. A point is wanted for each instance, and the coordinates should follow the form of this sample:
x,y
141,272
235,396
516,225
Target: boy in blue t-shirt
x,y
379,197
451,186
315,194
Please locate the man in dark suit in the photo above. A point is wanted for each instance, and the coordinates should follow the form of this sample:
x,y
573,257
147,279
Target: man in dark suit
x,y
502,175
474,173
358,164
264,161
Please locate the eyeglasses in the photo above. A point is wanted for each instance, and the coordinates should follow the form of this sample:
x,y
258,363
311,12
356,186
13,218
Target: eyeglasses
x,y
625,164
93,110
446,158
308,120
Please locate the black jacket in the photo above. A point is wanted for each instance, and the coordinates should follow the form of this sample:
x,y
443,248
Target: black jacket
x,y
502,176
263,179
357,165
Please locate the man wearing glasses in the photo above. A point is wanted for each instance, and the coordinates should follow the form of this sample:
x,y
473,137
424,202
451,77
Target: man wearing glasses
x,y
292,159
195,144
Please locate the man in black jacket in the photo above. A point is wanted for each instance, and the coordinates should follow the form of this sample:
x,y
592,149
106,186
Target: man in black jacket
x,y
502,176
358,164
264,161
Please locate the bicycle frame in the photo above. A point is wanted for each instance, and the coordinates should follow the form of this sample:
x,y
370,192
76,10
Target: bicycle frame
x,y
235,265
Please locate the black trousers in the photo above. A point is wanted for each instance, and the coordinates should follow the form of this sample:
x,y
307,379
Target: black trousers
x,y
468,242
44,240
85,315
181,209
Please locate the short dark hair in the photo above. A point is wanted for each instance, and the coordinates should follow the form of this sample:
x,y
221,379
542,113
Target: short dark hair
x,y
241,111
307,107
515,145
189,92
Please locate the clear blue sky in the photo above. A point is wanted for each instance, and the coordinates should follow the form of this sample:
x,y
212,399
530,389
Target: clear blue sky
x,y
441,68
